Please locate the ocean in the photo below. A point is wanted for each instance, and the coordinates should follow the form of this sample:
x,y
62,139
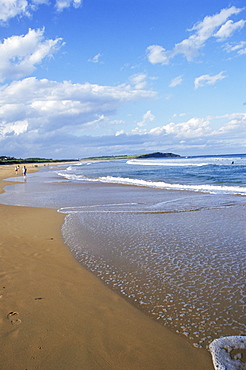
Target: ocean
x,y
168,235
223,174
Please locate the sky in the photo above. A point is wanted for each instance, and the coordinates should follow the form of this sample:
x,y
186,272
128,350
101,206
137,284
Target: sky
x,y
82,78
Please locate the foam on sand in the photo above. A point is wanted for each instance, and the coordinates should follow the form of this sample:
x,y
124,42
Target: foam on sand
x,y
221,351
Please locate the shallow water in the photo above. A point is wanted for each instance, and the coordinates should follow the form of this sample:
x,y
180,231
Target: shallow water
x,y
185,269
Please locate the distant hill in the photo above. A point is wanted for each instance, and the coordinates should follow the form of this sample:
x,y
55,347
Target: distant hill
x,y
157,155
134,156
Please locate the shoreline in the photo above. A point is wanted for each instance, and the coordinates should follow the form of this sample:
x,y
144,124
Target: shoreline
x,y
57,315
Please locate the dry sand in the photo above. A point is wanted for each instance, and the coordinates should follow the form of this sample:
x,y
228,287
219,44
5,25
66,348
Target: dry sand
x,y
56,315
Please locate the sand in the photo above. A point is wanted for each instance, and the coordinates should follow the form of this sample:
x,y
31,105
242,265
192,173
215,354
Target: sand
x,y
54,314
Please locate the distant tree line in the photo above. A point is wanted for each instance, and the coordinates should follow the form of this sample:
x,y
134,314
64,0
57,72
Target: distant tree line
x,y
13,160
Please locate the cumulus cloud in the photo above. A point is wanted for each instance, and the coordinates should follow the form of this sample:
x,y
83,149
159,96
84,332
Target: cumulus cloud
x,y
13,8
208,80
20,54
193,128
120,132
31,127
157,54
202,31
176,81
227,29
14,128
48,118
236,122
147,117
196,134
63,4
139,80
42,106
199,131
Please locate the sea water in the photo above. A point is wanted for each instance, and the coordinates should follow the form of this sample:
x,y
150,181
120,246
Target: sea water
x,y
207,174
169,235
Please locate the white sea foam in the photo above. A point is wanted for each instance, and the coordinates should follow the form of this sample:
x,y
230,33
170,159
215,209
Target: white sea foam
x,y
74,177
212,189
173,163
96,208
221,349
187,162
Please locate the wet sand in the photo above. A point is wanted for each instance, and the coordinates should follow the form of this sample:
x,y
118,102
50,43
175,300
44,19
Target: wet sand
x,y
56,315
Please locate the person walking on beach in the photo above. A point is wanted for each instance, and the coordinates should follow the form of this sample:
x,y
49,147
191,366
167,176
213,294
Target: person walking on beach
x,y
17,169
24,171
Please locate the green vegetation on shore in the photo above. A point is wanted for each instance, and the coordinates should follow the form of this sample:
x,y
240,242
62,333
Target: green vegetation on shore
x,y
13,160
135,156
109,157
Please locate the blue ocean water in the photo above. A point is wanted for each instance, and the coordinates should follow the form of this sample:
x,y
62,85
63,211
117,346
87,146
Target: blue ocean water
x,y
175,246
219,174
169,235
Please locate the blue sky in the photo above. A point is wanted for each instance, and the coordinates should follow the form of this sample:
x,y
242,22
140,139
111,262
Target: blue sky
x,y
107,77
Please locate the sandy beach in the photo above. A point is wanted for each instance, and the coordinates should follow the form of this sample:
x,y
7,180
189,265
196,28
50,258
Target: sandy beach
x,y
56,315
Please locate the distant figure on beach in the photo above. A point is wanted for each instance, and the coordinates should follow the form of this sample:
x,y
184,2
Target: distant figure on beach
x,y
17,169
24,171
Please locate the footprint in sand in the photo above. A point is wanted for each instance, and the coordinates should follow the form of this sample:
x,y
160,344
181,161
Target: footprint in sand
x,y
13,317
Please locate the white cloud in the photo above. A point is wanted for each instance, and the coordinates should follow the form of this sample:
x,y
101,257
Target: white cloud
x,y
120,132
50,106
208,80
236,123
15,128
96,59
63,4
45,136
193,128
157,54
139,80
20,54
198,132
147,117
179,115
240,48
13,8
227,29
202,31
176,81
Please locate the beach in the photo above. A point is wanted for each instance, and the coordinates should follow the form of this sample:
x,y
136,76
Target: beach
x,y
57,315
